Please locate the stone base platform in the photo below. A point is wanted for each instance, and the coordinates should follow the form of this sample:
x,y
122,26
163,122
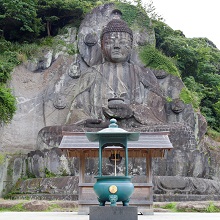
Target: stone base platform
x,y
113,213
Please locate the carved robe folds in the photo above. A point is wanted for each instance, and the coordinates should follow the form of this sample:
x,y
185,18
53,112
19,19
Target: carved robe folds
x,y
137,86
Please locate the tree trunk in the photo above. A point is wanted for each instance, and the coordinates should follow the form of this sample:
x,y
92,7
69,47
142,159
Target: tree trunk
x,y
48,28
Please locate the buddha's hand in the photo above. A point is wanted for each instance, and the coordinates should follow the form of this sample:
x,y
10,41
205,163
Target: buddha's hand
x,y
95,123
118,111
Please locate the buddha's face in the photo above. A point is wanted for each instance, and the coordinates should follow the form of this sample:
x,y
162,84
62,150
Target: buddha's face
x,y
117,46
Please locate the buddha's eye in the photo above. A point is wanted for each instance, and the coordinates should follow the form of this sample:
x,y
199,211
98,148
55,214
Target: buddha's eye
x,y
109,42
123,42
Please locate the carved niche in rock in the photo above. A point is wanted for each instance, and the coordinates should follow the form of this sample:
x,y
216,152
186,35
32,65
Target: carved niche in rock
x,y
177,106
59,102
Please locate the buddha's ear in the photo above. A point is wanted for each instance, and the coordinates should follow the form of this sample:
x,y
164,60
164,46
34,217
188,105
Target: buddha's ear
x,y
102,47
129,59
103,58
102,42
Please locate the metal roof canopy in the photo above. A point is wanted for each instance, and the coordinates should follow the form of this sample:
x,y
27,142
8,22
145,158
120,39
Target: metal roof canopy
x,y
154,142
112,136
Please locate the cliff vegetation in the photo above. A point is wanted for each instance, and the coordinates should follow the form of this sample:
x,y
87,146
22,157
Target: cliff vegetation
x,y
23,32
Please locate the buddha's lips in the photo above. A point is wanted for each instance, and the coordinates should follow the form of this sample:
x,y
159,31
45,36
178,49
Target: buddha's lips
x,y
116,53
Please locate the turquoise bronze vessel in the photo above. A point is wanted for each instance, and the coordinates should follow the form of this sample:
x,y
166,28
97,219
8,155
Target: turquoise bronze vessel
x,y
113,189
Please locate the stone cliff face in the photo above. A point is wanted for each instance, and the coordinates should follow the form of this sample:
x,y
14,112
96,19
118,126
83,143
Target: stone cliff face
x,y
45,87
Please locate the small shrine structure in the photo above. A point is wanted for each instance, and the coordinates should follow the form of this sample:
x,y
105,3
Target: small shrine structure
x,y
149,145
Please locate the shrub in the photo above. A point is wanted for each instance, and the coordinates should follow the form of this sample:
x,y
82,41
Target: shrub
x,y
154,59
7,104
189,97
215,135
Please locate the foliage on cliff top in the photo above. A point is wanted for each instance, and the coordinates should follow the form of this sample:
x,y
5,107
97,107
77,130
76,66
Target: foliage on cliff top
x,y
154,59
133,15
27,19
198,61
19,17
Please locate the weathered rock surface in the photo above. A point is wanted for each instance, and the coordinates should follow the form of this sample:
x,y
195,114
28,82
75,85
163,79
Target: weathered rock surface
x,y
185,185
166,188
45,88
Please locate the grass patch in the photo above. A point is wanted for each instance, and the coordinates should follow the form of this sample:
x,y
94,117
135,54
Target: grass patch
x,y
2,158
215,135
52,207
49,174
15,208
171,206
212,208
20,207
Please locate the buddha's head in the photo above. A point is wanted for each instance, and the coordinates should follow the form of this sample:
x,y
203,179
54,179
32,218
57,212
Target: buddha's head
x,y
116,40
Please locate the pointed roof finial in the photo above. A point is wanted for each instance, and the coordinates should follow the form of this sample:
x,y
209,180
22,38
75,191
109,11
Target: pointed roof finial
x,y
113,123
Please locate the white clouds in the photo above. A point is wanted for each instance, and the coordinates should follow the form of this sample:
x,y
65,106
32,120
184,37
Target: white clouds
x,y
196,18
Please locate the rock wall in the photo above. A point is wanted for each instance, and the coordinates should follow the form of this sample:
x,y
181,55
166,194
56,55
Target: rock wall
x,y
43,89
166,188
179,179
45,86
3,176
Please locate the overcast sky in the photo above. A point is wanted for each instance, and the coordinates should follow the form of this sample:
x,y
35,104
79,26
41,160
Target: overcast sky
x,y
196,18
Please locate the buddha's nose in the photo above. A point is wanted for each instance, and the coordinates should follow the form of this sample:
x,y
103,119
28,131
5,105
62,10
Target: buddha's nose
x,y
116,45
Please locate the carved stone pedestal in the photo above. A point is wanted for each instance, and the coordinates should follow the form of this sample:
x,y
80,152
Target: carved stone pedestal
x,y
113,213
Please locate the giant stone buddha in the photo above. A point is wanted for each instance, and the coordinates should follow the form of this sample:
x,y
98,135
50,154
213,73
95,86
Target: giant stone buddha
x,y
112,82
116,87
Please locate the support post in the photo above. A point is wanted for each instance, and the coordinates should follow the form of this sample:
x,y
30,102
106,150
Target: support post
x,y
100,160
82,167
149,167
149,172
126,160
81,174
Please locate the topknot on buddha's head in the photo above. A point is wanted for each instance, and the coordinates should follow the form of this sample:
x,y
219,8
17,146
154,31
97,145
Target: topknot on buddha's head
x,y
117,25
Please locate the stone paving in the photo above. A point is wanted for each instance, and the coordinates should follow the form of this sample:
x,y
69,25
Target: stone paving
x,y
74,216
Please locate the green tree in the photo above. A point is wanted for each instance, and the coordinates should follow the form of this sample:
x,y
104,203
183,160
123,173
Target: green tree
x,y
18,19
175,45
198,60
57,13
149,8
